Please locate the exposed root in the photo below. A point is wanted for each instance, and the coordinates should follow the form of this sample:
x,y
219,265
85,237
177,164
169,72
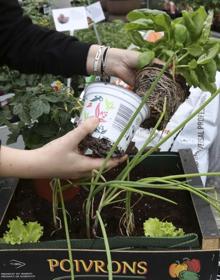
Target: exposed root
x,y
175,92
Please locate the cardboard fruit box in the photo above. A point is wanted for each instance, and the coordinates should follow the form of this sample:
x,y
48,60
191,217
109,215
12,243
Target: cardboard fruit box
x,y
136,257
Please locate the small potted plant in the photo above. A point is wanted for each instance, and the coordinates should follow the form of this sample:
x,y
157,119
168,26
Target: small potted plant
x,y
186,43
114,106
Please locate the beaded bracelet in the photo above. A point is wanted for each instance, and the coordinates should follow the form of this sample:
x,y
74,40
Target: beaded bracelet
x,y
104,76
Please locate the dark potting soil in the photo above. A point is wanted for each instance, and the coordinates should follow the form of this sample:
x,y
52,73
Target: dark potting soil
x,y
27,205
96,147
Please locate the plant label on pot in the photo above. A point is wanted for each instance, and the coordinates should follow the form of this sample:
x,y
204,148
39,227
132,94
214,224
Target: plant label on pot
x,y
114,106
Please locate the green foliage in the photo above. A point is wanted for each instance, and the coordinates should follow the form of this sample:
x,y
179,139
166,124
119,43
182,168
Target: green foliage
x,y
153,227
44,114
111,34
14,81
208,4
18,232
196,54
32,8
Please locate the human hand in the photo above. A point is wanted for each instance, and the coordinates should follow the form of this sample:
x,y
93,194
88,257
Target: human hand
x,y
119,63
61,157
122,64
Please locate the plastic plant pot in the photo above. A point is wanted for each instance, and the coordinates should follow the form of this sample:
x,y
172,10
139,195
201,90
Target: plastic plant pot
x,y
114,106
43,189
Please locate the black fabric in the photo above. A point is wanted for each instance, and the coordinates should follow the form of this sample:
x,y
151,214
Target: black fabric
x,y
33,49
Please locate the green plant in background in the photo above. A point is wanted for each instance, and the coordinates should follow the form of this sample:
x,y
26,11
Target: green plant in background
x,y
153,227
14,82
19,232
34,9
111,34
82,2
195,54
44,113
208,4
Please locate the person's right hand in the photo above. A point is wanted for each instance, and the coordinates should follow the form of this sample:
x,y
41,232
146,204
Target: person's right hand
x,y
60,158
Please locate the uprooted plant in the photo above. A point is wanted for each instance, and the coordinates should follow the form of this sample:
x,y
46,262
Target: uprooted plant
x,y
195,56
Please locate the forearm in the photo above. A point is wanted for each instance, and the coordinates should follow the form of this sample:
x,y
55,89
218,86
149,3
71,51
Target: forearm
x,y
20,163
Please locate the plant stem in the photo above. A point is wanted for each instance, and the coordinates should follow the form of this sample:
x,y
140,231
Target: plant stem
x,y
66,230
182,57
131,164
181,125
107,247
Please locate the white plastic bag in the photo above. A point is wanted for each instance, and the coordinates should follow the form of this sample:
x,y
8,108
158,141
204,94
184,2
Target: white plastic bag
x,y
198,134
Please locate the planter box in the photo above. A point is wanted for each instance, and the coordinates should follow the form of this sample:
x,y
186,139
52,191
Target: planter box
x,y
133,258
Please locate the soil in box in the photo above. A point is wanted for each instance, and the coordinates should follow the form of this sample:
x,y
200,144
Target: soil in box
x,y
27,205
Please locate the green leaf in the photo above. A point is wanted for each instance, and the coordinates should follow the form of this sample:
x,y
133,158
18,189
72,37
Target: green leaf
x,y
140,24
151,13
211,68
34,232
18,109
19,233
207,28
136,38
207,57
12,137
135,14
145,58
217,60
143,13
204,82
191,26
195,50
180,33
192,64
194,80
153,227
168,53
38,108
162,22
200,19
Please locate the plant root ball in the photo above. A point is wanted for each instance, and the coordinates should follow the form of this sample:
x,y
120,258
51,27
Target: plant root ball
x,y
175,92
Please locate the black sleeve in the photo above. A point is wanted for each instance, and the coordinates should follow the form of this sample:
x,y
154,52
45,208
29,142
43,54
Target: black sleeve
x,y
33,49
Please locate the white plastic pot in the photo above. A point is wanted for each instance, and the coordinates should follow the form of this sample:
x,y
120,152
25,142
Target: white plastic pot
x,y
114,106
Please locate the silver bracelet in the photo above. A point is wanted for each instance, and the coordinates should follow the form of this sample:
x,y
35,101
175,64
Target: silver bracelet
x,y
97,61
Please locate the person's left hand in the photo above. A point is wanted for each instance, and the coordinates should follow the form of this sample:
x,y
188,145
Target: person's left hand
x,y
119,63
122,64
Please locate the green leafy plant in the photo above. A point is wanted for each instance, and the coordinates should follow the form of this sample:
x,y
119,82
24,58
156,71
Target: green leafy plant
x,y
208,4
44,113
34,9
153,227
111,34
187,39
19,232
